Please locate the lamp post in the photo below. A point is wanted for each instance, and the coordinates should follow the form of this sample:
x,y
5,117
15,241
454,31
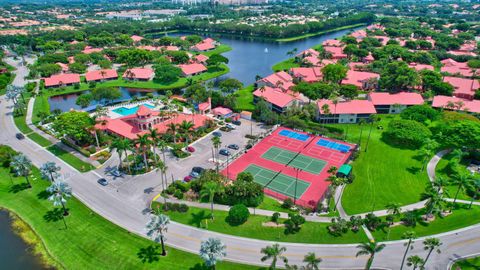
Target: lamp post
x,y
296,182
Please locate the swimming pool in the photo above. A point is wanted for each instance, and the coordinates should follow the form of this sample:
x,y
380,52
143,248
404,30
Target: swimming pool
x,y
333,145
128,111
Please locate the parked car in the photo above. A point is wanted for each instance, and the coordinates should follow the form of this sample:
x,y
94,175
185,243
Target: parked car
x,y
217,134
230,126
248,146
225,129
187,178
190,149
194,174
20,136
237,122
233,146
116,173
198,169
102,181
224,152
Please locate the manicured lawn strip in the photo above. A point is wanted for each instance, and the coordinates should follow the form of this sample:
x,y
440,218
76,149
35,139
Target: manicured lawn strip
x,y
222,48
285,65
245,99
468,264
319,33
384,174
71,159
21,124
39,139
311,232
90,242
460,218
442,170
272,204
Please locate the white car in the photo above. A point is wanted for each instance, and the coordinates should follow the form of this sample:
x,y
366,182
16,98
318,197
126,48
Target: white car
x,y
230,126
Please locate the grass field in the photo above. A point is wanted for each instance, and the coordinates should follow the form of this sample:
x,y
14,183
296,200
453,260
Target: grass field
x,y
460,218
468,264
90,242
39,139
70,159
318,33
384,174
285,65
310,232
245,99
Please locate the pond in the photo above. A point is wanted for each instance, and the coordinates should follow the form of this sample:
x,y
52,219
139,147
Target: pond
x,y
15,253
247,59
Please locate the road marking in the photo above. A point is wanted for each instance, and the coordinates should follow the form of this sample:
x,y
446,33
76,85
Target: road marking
x,y
464,242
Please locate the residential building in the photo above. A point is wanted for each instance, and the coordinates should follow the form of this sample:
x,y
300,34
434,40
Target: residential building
x,y
140,74
279,79
362,79
101,75
278,99
307,74
344,112
62,80
463,88
394,103
192,69
456,104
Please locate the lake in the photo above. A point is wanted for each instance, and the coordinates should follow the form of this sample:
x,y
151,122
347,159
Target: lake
x,y
248,58
14,252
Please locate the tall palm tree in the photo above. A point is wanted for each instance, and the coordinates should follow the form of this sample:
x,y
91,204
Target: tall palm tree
x,y
361,124
274,253
22,166
163,173
425,153
60,192
312,261
117,144
173,128
410,235
162,145
212,251
462,180
49,170
156,229
216,144
335,182
439,183
431,244
325,109
416,262
186,127
143,142
393,208
155,137
369,248
209,190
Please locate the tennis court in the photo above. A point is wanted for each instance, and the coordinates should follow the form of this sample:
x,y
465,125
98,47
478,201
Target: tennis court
x,y
280,183
333,145
294,135
295,160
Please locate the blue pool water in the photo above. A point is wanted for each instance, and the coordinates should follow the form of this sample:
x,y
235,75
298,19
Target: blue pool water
x,y
294,135
128,111
333,145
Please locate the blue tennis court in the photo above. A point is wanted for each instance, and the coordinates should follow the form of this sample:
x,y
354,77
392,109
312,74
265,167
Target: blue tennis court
x,y
333,145
294,135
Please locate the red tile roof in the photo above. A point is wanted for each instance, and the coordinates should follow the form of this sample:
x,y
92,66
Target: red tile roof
x,y
279,79
308,52
190,69
276,96
402,98
63,66
348,107
144,111
419,67
201,58
337,52
313,74
332,42
468,105
205,45
139,73
221,111
102,74
358,77
464,88
89,50
136,38
61,79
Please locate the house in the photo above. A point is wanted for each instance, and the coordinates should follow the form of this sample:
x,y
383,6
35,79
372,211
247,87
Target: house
x,y
307,74
369,58
358,66
419,67
457,104
207,44
332,43
394,103
453,67
359,35
139,123
382,39
279,79
344,112
308,52
337,52
278,99
463,88
205,107
169,48
141,74
192,69
222,112
89,50
61,80
136,39
101,75
201,59
63,66
362,79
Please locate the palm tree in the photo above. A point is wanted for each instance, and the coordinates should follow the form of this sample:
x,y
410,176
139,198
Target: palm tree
x,y
416,261
162,145
156,229
325,109
312,261
410,235
440,182
274,253
209,190
216,144
186,127
163,173
22,166
143,142
212,251
434,201
49,170
425,153
335,182
361,123
60,192
154,136
393,208
369,248
172,127
431,244
117,144
475,188
462,180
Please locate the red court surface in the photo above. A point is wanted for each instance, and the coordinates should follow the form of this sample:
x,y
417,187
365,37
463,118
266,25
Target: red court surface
x,y
318,186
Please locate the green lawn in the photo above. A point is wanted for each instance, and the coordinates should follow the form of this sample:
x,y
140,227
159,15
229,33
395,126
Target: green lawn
x,y
383,174
245,99
311,232
70,159
90,242
443,170
222,48
285,65
272,204
318,33
22,124
39,139
468,264
460,218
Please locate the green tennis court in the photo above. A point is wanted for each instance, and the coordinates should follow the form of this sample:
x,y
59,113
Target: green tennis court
x,y
305,163
283,184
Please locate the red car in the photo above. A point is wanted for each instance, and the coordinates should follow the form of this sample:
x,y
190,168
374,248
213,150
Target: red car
x,y
190,149
187,178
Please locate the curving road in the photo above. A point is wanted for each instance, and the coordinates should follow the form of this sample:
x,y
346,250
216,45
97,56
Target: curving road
x,y
129,210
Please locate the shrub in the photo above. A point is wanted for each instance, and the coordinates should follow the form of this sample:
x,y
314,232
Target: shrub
x,y
420,113
238,214
92,149
180,185
293,223
171,189
275,217
178,194
228,120
287,203
6,154
407,133
182,208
